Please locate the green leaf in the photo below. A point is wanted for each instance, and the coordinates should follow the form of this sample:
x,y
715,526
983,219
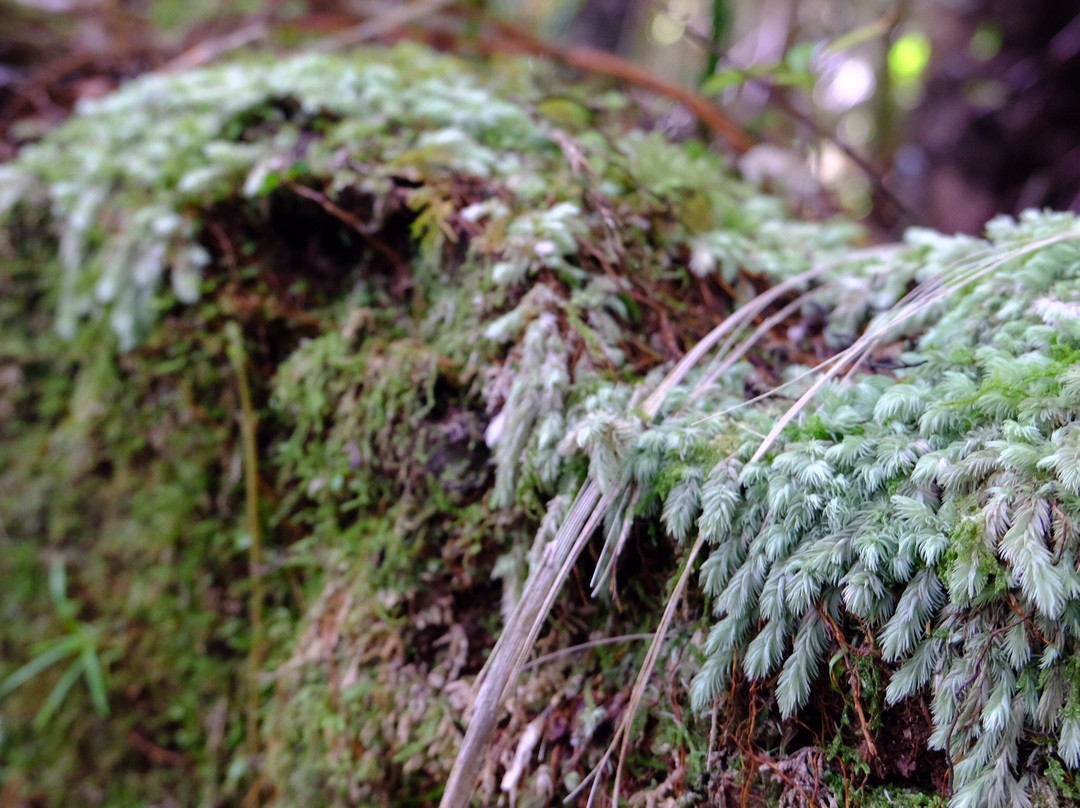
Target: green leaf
x,y
58,593
908,57
798,57
56,697
718,82
95,679
63,647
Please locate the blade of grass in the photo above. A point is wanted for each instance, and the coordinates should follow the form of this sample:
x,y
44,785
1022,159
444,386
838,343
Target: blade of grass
x,y
906,313
509,654
56,696
248,432
607,554
95,678
653,654
62,648
736,321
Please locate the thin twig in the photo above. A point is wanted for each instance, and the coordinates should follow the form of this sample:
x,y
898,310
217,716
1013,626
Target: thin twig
x,y
342,215
856,685
608,64
210,50
585,646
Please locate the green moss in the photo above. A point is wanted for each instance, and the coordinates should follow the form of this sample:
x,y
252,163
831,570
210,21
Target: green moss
x,y
456,287
900,797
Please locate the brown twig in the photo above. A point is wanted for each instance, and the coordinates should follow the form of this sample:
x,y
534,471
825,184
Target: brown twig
x,y
156,754
210,50
342,215
228,254
1026,618
387,23
768,762
608,64
856,684
11,791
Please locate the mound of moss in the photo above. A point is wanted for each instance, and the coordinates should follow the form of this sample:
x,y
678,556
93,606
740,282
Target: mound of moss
x,y
303,361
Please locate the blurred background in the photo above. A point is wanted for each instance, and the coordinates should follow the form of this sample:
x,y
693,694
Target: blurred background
x,y
939,113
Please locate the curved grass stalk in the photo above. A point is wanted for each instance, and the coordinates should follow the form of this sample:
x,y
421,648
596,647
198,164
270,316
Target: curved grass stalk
x,y
620,525
248,428
622,731
923,296
931,292
729,359
646,670
511,650
585,646
611,550
866,342
736,321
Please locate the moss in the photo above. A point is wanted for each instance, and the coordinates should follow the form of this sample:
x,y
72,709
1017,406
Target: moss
x,y
456,286
884,796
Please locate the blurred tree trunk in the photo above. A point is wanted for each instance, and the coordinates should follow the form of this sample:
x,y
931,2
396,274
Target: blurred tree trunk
x,y
600,24
999,128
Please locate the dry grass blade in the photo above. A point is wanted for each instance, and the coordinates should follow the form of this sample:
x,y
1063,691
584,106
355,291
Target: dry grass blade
x,y
899,315
613,549
645,672
510,652
728,359
211,50
740,319
585,646
924,295
931,292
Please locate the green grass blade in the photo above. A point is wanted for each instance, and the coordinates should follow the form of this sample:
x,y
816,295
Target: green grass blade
x,y
56,697
95,679
64,647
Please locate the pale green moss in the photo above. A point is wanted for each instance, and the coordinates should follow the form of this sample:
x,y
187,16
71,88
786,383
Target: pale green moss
x,y
456,299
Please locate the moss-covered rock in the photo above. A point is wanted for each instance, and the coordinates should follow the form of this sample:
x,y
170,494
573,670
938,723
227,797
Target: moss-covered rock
x,y
462,292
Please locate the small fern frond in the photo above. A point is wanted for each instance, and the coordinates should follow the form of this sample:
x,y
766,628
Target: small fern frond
x,y
1024,547
923,596
915,672
766,650
1069,741
683,504
800,669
